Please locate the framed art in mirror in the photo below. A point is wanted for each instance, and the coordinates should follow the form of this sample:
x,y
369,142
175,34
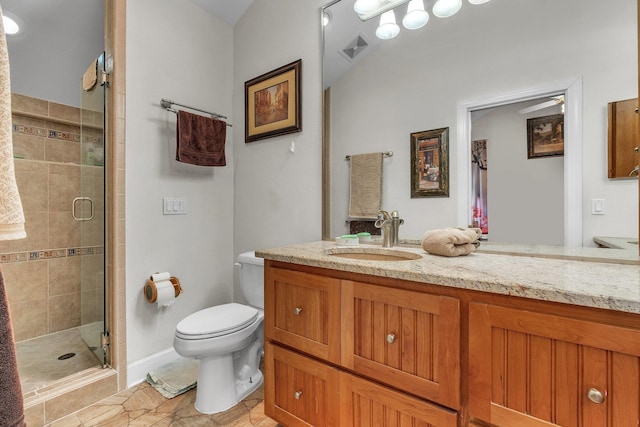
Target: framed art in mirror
x,y
272,103
545,136
430,163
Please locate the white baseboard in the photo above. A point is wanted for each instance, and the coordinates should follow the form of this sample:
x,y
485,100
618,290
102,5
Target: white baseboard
x,y
137,371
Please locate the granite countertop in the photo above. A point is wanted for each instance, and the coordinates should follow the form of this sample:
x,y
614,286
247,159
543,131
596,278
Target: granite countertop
x,y
625,243
579,277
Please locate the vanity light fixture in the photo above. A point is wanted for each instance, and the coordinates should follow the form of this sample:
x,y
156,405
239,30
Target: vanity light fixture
x,y
364,7
368,9
388,28
446,8
416,16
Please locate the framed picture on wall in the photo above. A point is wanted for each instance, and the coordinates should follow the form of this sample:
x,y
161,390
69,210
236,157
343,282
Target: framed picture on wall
x,y
545,136
430,163
272,103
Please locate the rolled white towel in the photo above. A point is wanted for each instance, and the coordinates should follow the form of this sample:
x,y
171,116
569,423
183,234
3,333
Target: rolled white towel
x,y
451,241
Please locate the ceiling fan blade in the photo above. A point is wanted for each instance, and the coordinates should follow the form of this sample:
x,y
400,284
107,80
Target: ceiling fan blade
x,y
540,106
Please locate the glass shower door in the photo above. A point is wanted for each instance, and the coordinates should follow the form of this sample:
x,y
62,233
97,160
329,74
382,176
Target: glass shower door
x,y
89,210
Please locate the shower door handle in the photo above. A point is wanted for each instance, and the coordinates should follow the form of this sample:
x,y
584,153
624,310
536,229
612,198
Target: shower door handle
x,y
79,201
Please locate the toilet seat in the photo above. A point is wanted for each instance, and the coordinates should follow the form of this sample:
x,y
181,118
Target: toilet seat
x,y
216,321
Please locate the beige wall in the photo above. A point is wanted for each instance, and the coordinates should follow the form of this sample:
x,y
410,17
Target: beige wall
x,y
192,66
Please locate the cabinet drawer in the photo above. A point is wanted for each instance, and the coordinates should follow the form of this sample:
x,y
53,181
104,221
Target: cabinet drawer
x,y
303,311
367,404
300,391
409,340
535,369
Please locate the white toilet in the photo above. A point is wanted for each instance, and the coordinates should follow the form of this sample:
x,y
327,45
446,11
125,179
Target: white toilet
x,y
228,340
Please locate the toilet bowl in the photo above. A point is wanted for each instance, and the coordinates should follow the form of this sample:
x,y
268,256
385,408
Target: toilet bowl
x,y
228,340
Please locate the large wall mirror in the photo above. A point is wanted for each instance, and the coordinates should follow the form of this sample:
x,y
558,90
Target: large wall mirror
x,y
502,61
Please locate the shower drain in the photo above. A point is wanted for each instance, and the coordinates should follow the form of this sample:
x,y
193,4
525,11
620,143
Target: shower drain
x,y
66,356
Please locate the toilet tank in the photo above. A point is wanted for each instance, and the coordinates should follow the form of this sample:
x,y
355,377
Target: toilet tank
x,y
252,278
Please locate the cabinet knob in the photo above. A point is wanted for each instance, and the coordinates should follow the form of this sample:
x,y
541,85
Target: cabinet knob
x,y
391,338
297,311
595,395
297,395
636,149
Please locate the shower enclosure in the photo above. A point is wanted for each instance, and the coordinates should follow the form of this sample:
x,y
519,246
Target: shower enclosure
x,y
55,277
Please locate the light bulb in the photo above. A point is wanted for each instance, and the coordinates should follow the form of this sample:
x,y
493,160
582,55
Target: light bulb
x,y
478,1
10,26
326,18
416,16
364,6
388,28
446,8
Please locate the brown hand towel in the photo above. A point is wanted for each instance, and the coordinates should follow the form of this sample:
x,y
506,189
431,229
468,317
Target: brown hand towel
x,y
200,140
11,403
451,241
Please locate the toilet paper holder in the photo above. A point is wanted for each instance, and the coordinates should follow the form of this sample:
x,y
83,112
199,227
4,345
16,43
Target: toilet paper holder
x,y
151,291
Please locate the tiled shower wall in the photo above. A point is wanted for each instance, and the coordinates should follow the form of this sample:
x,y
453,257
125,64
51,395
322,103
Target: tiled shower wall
x,y
54,277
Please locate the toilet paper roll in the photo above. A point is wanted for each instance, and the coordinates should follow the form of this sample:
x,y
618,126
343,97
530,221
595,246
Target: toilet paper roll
x,y
158,277
166,293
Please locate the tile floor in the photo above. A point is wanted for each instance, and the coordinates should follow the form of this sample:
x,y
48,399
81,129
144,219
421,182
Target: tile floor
x,y
143,406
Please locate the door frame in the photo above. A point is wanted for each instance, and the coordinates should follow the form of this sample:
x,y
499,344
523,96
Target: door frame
x,y
572,90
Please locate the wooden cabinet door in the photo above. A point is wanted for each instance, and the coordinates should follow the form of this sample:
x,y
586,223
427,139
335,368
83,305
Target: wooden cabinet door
x,y
623,138
409,340
533,369
367,404
303,311
300,391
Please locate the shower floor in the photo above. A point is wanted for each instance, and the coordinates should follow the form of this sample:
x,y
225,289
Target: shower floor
x,y
38,362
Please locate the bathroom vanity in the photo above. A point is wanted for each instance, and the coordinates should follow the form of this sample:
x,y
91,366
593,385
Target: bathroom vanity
x,y
378,338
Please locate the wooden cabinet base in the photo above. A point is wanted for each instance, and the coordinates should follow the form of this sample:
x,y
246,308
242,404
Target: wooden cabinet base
x,y
301,391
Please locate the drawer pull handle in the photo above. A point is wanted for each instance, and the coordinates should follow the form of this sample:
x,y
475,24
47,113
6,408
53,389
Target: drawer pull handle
x,y
595,395
297,311
391,338
297,395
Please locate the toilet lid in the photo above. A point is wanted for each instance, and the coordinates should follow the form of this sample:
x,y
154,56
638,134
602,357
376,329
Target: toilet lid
x,y
216,321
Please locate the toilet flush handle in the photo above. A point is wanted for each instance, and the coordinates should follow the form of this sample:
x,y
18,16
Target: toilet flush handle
x,y
237,264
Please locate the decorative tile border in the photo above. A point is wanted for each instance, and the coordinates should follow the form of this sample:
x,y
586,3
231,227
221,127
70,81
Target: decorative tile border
x,y
49,133
13,257
90,250
30,130
64,136
50,254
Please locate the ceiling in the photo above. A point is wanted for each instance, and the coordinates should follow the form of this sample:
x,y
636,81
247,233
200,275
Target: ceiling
x,y
230,11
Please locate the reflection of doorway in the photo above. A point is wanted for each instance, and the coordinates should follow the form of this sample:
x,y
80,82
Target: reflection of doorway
x,y
525,196
572,163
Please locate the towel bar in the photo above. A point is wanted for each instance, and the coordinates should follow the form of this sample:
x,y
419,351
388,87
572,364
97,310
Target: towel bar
x,y
167,105
385,154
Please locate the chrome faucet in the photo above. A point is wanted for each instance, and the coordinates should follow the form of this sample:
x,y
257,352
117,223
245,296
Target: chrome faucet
x,y
396,222
384,222
389,225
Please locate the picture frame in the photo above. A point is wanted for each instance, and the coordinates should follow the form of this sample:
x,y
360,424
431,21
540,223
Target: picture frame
x,y
430,163
545,136
272,103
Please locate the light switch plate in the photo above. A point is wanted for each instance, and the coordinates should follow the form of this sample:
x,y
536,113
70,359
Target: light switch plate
x,y
174,206
597,207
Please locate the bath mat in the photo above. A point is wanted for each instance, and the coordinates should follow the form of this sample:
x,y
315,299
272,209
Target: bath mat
x,y
174,378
